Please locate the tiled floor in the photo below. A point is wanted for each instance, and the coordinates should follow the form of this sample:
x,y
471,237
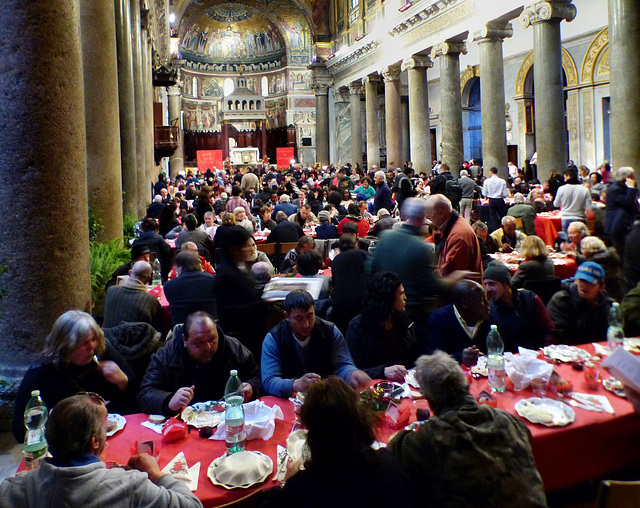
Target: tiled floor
x,y
10,455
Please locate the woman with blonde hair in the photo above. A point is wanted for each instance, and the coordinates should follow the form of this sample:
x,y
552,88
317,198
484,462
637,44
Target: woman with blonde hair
x,y
594,249
69,364
536,264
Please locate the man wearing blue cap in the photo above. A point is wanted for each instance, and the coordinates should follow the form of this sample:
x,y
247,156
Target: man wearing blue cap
x,y
581,309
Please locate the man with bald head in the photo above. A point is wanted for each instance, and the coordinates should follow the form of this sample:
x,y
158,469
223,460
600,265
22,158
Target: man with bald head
x,y
131,302
508,238
457,246
206,266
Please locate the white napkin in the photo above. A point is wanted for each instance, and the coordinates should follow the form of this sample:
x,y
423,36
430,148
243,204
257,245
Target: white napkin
x,y
193,473
155,427
593,402
522,369
259,421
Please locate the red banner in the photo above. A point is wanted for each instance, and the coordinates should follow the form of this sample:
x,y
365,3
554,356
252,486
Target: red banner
x,y
284,156
209,159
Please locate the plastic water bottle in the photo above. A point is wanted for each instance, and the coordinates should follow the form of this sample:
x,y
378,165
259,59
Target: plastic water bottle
x,y
615,332
156,278
35,444
234,414
495,360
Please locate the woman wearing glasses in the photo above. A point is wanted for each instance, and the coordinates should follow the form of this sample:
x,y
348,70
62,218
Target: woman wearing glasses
x,y
69,365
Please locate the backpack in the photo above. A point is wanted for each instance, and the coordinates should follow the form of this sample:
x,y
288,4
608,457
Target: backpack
x,y
453,191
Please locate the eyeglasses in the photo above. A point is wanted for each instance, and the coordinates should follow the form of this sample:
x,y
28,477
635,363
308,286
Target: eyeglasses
x,y
94,396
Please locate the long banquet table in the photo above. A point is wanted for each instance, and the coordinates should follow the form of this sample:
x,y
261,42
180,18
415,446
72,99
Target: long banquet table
x,y
593,445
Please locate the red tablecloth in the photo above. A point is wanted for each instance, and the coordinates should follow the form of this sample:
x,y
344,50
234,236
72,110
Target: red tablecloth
x,y
547,226
158,292
564,267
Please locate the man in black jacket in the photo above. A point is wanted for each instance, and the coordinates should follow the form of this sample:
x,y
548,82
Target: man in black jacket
x,y
194,366
285,230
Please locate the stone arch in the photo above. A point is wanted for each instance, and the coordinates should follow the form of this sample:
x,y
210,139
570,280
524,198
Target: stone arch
x,y
568,65
467,79
598,46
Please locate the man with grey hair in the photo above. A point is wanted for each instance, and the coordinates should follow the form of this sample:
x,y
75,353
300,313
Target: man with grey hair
x,y
450,456
382,198
457,247
75,475
131,302
286,206
468,187
526,213
508,238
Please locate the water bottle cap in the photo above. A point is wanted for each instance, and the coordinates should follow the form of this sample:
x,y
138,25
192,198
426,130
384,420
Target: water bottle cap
x,y
35,393
494,327
234,372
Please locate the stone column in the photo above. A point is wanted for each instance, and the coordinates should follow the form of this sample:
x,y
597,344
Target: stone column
x,y
406,148
44,253
225,139
550,130
492,100
450,103
355,89
321,91
100,69
138,92
373,134
149,95
393,116
624,40
419,130
127,108
176,161
342,126
263,139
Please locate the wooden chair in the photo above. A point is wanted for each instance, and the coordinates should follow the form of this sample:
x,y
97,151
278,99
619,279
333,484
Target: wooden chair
x,y
544,288
270,249
283,248
615,494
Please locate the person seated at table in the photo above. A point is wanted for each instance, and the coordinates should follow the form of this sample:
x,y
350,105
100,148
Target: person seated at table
x,y
257,256
150,237
194,365
536,264
349,281
304,217
155,209
460,328
363,208
131,302
341,432
68,365
285,230
241,310
206,266
209,225
326,230
284,205
266,222
575,232
366,188
302,348
191,290
487,244
354,216
228,221
381,339
168,219
384,222
466,454
203,241
508,238
308,264
580,310
139,252
520,315
525,212
241,218
594,249
305,243
74,475
262,274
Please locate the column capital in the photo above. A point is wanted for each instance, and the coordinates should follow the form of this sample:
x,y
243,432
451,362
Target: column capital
x,y
342,94
447,48
391,73
416,62
371,78
320,88
174,90
545,11
493,32
355,87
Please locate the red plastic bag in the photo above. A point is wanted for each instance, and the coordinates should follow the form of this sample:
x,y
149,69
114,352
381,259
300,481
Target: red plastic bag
x,y
174,430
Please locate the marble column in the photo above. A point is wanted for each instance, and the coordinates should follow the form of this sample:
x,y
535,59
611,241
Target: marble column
x,y
100,72
492,99
419,129
342,125
176,161
550,129
127,108
149,91
225,139
624,41
321,91
355,89
138,93
373,133
44,253
263,139
406,145
450,103
393,124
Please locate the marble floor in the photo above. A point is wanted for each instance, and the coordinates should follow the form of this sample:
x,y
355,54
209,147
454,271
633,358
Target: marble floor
x,y
10,455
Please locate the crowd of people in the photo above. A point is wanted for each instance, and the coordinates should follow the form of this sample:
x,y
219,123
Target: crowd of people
x,y
412,283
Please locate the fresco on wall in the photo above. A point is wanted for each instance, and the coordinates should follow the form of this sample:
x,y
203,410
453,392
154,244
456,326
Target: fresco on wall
x,y
300,80
277,84
201,116
211,88
276,113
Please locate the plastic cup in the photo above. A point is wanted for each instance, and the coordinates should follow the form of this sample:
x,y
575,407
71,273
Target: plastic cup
x,y
539,386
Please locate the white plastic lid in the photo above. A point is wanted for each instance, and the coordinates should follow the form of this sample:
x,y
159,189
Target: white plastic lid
x,y
494,327
234,372
35,393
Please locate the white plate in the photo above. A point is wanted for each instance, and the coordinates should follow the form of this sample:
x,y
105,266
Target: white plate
x,y
262,464
202,414
480,368
564,353
119,420
548,412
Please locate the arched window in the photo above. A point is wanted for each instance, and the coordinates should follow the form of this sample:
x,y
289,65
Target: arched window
x,y
244,105
238,105
230,105
258,105
194,92
251,105
264,87
229,87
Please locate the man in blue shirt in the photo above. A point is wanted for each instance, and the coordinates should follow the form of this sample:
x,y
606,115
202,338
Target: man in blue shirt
x,y
303,348
382,198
